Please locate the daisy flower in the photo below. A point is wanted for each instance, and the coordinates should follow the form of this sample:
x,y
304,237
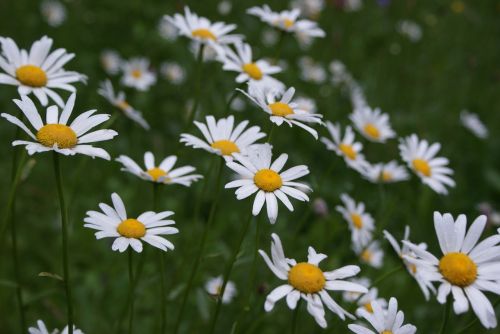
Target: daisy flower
x,y
56,135
119,101
361,223
136,74
388,321
345,147
162,173
306,104
350,296
113,222
366,300
111,61
53,12
214,286
287,20
372,124
404,251
307,281
472,122
42,329
38,71
389,172
466,267
258,175
222,138
371,254
173,72
421,158
283,110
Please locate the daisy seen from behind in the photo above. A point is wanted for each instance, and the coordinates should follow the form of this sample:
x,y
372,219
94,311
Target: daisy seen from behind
x,y
164,172
361,223
136,74
214,287
389,172
372,124
305,280
346,146
148,227
37,71
56,135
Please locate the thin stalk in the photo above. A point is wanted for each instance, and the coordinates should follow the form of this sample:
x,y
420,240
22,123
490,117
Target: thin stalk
x,y
446,316
17,275
270,135
295,316
228,104
65,247
131,289
199,72
161,264
203,240
280,46
227,273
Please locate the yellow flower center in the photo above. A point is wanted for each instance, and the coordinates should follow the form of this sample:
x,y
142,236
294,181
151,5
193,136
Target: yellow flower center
x,y
253,71
306,278
386,176
226,147
458,269
31,75
59,134
372,131
366,255
267,180
368,307
348,151
131,228
413,268
280,109
204,34
356,220
422,167
136,74
288,23
156,173
123,105
386,332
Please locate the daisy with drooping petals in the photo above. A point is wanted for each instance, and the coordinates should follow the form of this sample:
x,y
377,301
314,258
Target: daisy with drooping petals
x,y
38,71
214,286
284,110
366,300
56,135
222,138
361,223
119,101
345,147
136,74
163,173
42,329
389,172
307,281
372,124
388,321
421,158
404,251
466,267
258,175
113,222
371,254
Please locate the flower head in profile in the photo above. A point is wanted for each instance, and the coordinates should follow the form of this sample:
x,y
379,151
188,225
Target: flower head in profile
x,y
214,287
383,321
372,124
361,223
421,158
38,71
466,267
283,109
223,138
346,146
370,254
113,222
308,281
136,74
119,101
389,172
41,328
56,135
256,174
365,301
164,172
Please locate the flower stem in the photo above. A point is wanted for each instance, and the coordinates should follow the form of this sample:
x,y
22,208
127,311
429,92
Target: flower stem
x,y
199,72
65,248
131,289
446,315
270,135
227,273
230,101
295,316
161,265
203,240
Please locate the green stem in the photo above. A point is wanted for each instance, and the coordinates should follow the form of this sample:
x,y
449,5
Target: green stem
x,y
199,66
131,289
231,99
65,248
227,273
446,315
17,275
280,46
382,277
161,264
295,316
270,135
203,240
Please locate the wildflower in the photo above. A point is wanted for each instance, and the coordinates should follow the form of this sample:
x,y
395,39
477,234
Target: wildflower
x,y
345,147
111,61
389,172
473,124
53,12
372,124
173,72
136,74
371,253
42,329
360,222
214,286
366,300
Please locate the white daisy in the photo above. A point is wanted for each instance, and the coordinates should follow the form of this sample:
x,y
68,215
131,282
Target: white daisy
x,y
421,158
466,267
163,173
473,124
214,286
111,61
136,74
388,321
287,20
310,8
42,329
366,300
222,138
113,222
389,172
56,135
37,71
345,147
410,29
284,110
371,254
53,12
361,223
307,281
306,104
119,101
350,296
173,72
404,251
311,71
372,124
258,175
